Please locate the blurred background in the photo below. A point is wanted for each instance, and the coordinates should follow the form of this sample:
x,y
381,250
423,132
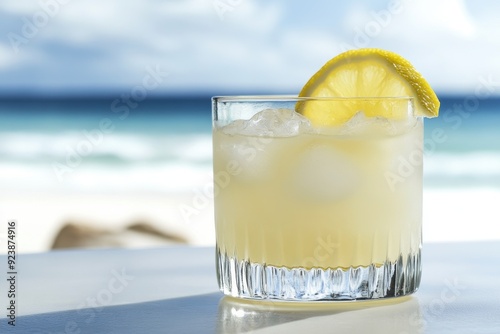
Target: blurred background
x,y
105,119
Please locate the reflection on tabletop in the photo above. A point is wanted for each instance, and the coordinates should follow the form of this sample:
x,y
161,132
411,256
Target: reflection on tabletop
x,y
209,313
398,315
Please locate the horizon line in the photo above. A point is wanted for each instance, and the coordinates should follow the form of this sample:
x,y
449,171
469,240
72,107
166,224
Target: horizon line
x,y
19,97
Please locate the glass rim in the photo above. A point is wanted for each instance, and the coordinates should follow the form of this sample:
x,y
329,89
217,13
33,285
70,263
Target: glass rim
x,y
285,98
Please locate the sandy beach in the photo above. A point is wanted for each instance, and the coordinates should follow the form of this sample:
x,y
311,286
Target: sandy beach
x,y
464,214
41,216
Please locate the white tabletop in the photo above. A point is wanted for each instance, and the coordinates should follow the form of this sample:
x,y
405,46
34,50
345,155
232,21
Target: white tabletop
x,y
174,290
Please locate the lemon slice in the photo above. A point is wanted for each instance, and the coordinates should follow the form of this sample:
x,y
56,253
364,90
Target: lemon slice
x,y
376,78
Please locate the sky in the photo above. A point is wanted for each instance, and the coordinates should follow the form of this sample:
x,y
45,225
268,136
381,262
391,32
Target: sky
x,y
61,47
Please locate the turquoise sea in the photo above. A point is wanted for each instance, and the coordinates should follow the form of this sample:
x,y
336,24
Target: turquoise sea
x,y
92,145
164,144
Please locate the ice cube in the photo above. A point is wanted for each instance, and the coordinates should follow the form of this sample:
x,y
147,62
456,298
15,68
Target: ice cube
x,y
271,123
252,155
396,127
324,173
360,124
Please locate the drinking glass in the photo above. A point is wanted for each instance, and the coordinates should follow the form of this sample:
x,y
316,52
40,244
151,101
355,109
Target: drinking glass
x,y
322,209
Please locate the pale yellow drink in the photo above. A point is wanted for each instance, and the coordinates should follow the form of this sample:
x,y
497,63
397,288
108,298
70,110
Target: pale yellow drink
x,y
319,196
305,212
315,200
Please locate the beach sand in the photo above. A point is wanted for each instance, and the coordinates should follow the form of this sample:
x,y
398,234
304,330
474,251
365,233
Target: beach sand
x,y
464,214
40,217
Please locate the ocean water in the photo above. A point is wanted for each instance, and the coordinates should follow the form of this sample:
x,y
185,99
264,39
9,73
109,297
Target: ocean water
x,y
93,146
164,145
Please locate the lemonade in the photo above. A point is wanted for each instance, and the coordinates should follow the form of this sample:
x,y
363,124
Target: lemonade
x,y
319,198
317,201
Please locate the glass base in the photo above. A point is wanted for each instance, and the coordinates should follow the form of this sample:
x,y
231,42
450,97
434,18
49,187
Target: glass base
x,y
257,281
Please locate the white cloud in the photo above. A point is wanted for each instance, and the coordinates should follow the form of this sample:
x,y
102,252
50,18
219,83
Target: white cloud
x,y
20,7
446,43
448,17
6,57
454,16
121,38
254,45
